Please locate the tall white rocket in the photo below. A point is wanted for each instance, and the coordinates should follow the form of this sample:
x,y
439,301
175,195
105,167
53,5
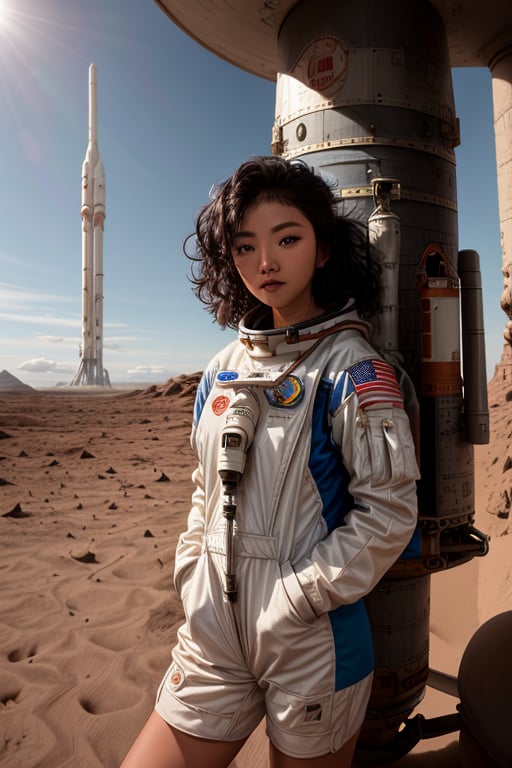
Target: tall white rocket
x,y
91,371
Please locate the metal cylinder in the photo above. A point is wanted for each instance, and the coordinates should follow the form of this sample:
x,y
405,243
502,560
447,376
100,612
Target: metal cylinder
x,y
398,610
359,101
384,237
476,411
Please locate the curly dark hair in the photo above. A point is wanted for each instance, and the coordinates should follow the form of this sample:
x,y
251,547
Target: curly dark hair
x,y
350,273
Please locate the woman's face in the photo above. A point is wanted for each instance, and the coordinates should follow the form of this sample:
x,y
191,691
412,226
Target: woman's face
x,y
276,254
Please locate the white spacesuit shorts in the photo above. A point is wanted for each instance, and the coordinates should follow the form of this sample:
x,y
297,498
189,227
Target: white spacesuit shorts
x,y
216,704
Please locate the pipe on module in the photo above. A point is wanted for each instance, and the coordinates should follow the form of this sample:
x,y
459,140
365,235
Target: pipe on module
x,y
384,237
476,411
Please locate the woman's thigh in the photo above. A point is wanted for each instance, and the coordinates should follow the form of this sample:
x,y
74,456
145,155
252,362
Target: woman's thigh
x,y
340,759
159,745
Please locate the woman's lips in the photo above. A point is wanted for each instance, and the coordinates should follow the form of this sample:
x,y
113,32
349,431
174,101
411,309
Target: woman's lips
x,y
272,285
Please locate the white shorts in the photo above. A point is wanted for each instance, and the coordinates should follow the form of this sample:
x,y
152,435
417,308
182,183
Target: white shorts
x,y
235,663
304,727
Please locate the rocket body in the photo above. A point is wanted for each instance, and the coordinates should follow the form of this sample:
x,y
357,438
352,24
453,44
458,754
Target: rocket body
x,y
90,370
366,103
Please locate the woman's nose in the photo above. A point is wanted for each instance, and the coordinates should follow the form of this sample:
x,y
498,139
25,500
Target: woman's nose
x,y
268,262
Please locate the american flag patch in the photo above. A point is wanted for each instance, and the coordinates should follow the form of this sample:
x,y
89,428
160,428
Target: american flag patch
x,y
376,384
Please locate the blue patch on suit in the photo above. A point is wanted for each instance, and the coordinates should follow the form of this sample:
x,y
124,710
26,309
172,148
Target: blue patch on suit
x,y
325,462
353,644
343,387
288,394
413,549
203,390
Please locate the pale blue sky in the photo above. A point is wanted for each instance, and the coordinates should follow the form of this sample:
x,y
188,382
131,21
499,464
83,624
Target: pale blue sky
x,y
173,119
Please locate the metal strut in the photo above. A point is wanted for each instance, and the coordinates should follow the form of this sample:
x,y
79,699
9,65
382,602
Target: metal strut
x,y
413,730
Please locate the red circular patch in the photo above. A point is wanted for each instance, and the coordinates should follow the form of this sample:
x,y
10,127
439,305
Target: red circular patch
x,y
176,678
220,404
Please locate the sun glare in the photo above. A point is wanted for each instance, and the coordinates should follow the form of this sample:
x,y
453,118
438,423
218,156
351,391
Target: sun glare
x,y
4,12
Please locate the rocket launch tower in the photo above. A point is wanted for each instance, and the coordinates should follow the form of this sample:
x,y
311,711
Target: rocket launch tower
x,y
90,371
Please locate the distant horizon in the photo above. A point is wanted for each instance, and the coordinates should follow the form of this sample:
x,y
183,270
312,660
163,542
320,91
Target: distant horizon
x,y
123,385
144,383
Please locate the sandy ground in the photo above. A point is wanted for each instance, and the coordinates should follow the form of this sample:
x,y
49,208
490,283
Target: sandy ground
x,y
94,491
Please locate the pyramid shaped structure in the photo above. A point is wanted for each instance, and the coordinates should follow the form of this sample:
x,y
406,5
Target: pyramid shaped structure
x,y
9,383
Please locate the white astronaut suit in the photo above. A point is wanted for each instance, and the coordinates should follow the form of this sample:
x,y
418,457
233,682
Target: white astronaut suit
x,y
325,505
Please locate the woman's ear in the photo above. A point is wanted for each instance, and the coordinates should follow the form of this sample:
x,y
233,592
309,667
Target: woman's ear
x,y
323,255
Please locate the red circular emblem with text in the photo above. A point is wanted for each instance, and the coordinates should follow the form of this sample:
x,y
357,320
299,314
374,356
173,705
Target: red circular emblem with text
x,y
220,404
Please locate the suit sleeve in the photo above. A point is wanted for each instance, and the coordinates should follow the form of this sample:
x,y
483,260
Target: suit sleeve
x,y
190,541
378,451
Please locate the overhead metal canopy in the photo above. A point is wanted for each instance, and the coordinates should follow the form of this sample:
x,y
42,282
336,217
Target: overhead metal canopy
x,y
245,32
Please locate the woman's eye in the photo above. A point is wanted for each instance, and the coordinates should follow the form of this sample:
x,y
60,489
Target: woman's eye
x,y
289,239
239,250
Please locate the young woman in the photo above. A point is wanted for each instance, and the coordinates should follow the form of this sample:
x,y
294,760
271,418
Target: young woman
x,y
305,489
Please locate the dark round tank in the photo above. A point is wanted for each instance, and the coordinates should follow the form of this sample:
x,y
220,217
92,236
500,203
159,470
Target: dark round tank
x,y
485,689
